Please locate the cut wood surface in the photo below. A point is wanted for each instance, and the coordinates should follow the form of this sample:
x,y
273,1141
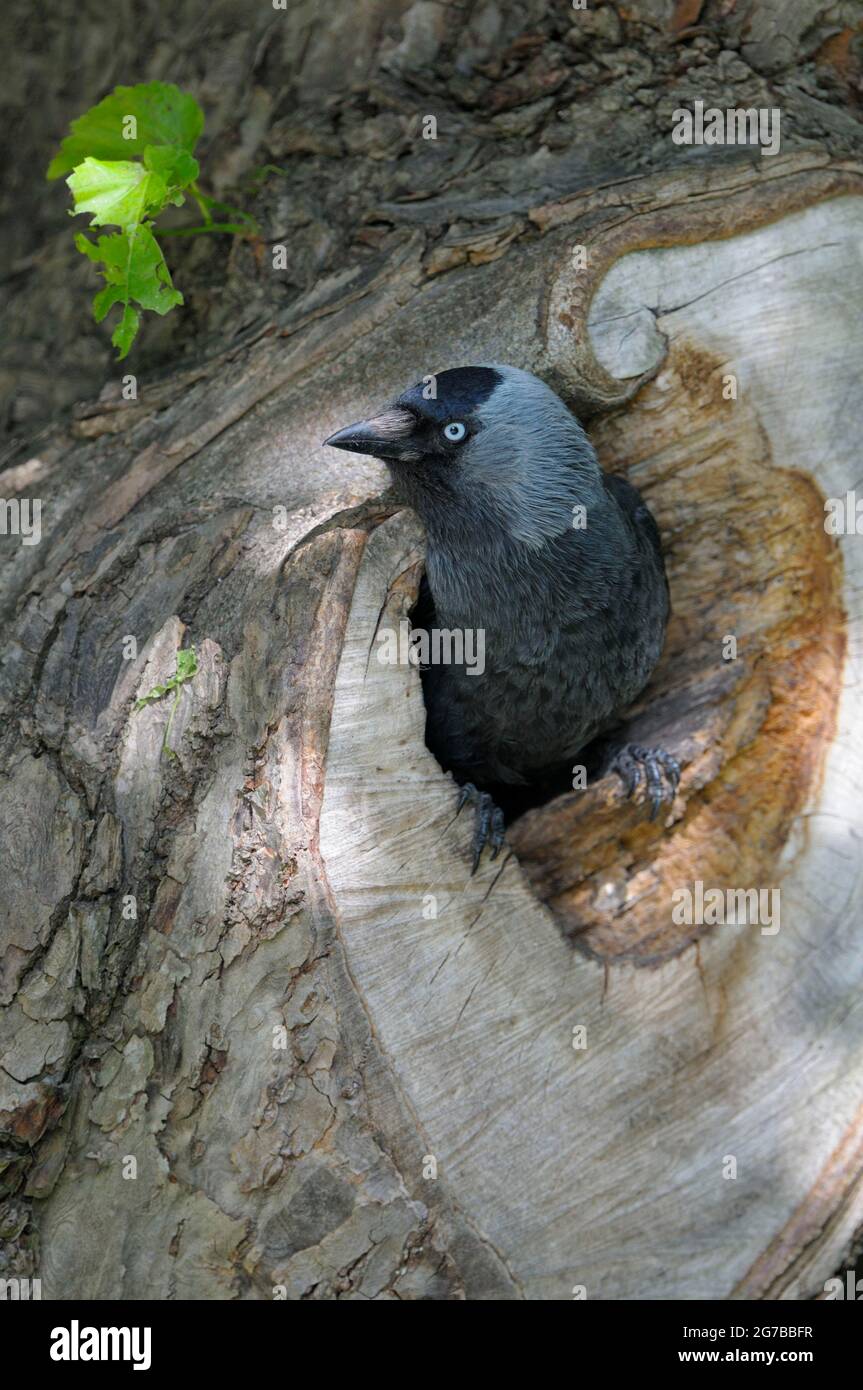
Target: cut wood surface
x,y
298,865
605,1166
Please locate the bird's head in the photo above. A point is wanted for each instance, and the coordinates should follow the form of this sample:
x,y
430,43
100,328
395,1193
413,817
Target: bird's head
x,y
492,441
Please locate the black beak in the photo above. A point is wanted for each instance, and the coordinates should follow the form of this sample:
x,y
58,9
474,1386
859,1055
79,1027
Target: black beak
x,y
385,436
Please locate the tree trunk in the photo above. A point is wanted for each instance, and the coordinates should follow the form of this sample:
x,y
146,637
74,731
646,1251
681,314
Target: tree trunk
x,y
261,1028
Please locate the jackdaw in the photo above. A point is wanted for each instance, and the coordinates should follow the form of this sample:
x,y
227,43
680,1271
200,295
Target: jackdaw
x,y
557,562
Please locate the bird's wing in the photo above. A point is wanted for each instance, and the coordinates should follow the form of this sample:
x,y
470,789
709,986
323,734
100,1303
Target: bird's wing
x,y
451,733
633,506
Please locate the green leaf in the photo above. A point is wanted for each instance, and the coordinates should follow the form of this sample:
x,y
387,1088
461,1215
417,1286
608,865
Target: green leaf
x,y
177,167
187,667
134,270
187,664
116,192
163,115
131,156
155,694
126,331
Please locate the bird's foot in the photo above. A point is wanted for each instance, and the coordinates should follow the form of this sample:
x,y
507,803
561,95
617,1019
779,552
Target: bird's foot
x,y
660,772
488,824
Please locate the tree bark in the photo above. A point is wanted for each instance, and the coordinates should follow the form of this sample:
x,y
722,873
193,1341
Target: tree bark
x,y
261,1029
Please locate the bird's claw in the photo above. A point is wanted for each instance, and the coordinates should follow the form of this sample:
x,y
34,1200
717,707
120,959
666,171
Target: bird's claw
x,y
661,773
488,823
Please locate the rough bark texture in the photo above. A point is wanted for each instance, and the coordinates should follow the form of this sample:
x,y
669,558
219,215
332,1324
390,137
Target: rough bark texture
x,y
283,862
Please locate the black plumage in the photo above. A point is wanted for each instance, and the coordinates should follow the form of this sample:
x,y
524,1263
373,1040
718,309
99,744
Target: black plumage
x,y
557,563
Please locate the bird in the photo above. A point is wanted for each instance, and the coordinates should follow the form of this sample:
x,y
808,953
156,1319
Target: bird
x,y
557,563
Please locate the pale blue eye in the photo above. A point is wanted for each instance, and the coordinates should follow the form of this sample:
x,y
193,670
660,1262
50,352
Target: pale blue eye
x,y
455,431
